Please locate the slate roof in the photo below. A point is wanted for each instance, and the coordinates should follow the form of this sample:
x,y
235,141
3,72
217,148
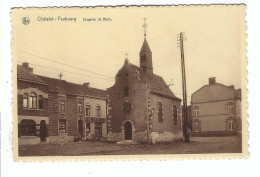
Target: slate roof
x,y
145,47
72,88
24,74
156,82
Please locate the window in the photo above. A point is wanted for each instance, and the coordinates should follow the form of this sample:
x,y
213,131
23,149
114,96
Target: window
x,y
40,102
62,105
126,74
230,109
160,114
230,125
126,91
87,110
25,100
196,111
27,128
196,126
174,114
33,100
80,110
98,111
62,126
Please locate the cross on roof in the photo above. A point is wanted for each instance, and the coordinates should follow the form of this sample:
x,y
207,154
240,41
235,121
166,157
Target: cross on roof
x,y
145,26
126,54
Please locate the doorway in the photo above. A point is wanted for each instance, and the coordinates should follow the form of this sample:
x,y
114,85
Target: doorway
x,y
43,130
128,130
80,127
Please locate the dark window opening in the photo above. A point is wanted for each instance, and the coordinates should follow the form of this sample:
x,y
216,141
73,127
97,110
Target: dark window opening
x,y
40,100
160,112
126,91
175,114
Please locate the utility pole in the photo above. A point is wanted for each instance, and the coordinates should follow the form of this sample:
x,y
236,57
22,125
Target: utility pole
x,y
184,90
60,76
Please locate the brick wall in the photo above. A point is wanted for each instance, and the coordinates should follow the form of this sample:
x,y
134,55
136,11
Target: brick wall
x,y
71,114
53,111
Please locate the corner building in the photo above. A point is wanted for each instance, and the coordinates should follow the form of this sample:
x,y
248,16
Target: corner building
x,y
141,107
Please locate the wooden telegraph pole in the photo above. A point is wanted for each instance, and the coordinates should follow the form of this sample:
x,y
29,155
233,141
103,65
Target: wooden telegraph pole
x,y
185,110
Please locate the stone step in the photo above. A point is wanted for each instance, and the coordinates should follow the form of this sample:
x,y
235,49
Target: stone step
x,y
126,142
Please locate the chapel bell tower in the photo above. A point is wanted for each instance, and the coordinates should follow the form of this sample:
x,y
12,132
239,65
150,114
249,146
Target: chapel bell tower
x,y
145,54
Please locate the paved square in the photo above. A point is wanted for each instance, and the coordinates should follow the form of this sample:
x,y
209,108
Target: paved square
x,y
198,145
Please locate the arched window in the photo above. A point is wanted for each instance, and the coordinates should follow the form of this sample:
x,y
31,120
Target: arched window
x,y
175,114
160,112
98,111
27,128
40,102
25,100
126,91
33,100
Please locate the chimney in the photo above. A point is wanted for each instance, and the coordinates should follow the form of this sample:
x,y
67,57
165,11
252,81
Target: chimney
x,y
212,80
86,84
26,65
232,86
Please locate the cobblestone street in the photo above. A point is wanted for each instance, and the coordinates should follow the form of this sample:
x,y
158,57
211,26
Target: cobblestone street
x,y
197,145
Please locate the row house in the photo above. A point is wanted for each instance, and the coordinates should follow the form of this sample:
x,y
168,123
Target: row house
x,y
216,110
32,102
69,110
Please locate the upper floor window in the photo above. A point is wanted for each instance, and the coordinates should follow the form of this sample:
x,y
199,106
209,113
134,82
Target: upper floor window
x,y
126,74
33,100
126,91
160,112
98,111
62,105
87,110
230,125
40,102
175,114
230,109
25,100
196,111
80,110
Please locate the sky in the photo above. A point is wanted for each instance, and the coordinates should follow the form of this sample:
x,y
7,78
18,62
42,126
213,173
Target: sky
x,y
213,47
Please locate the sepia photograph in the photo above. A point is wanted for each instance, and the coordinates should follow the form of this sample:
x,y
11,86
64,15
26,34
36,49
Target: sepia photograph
x,y
129,82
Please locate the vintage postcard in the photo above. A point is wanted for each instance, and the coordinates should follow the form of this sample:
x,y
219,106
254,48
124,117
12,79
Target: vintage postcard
x,y
129,83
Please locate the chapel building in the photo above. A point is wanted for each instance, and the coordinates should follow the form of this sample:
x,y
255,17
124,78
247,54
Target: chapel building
x,y
141,106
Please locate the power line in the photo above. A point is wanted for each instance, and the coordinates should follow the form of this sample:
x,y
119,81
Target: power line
x,y
68,71
64,64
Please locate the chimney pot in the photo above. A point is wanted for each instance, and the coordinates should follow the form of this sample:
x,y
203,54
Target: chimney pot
x,y
232,86
212,80
87,84
26,65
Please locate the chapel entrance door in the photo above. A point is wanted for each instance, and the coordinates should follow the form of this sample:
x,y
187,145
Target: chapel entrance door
x,y
128,130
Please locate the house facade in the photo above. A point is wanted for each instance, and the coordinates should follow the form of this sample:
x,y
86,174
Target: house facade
x,y
75,110
142,108
53,110
216,110
32,102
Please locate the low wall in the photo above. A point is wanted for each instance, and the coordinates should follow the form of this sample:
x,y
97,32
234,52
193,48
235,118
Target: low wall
x,y
61,139
29,140
160,137
213,133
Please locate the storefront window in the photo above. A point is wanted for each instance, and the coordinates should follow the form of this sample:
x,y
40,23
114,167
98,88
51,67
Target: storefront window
x,y
27,128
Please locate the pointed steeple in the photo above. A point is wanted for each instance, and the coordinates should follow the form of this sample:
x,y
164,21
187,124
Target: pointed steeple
x,y
146,54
